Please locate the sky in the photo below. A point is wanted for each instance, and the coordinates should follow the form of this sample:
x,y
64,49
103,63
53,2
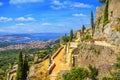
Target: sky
x,y
45,16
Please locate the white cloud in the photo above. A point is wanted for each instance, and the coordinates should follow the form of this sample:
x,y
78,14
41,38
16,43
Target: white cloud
x,y
81,5
5,19
24,1
1,30
1,3
25,19
46,24
20,24
79,15
56,4
54,7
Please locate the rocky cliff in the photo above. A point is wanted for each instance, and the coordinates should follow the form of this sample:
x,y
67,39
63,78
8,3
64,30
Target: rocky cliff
x,y
113,10
111,31
102,57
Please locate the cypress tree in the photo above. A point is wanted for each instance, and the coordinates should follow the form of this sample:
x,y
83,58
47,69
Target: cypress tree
x,y
83,29
71,35
105,19
102,1
20,68
25,67
92,23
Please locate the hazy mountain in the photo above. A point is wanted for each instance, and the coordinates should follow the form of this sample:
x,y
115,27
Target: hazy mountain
x,y
20,38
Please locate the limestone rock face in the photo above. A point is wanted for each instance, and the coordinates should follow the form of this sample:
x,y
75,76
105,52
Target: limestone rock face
x,y
111,31
113,10
99,12
102,57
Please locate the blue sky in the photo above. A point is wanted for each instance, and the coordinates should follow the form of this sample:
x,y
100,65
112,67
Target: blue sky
x,y
41,16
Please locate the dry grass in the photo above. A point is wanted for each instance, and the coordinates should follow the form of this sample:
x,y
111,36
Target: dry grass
x,y
116,27
60,64
41,71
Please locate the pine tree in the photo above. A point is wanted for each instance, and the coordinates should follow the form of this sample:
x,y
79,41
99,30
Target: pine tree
x,y
25,68
105,19
20,68
92,23
71,35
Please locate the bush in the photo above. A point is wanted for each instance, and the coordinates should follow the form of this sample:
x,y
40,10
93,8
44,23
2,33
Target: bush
x,y
76,74
43,53
87,37
64,39
55,48
93,72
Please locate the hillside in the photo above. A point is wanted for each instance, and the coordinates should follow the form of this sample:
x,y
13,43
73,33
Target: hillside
x,y
102,51
91,53
111,30
102,57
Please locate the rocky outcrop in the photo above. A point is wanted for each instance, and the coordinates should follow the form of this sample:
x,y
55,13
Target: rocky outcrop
x,y
111,32
101,57
113,10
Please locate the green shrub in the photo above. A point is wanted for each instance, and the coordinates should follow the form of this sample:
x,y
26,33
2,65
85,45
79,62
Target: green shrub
x,y
43,53
76,74
87,37
93,72
64,39
55,48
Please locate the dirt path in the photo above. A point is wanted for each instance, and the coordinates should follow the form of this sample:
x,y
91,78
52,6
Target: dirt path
x,y
60,64
103,43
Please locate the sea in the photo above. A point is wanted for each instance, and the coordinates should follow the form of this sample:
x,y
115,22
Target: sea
x,y
28,37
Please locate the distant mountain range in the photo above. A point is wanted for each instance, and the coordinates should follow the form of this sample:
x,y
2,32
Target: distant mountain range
x,y
27,37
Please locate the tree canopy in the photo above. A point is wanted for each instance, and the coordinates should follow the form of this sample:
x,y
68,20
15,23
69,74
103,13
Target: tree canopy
x,y
102,1
83,29
20,67
92,23
71,35
105,19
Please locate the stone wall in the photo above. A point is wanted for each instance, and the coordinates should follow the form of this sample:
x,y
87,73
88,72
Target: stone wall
x,y
51,67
